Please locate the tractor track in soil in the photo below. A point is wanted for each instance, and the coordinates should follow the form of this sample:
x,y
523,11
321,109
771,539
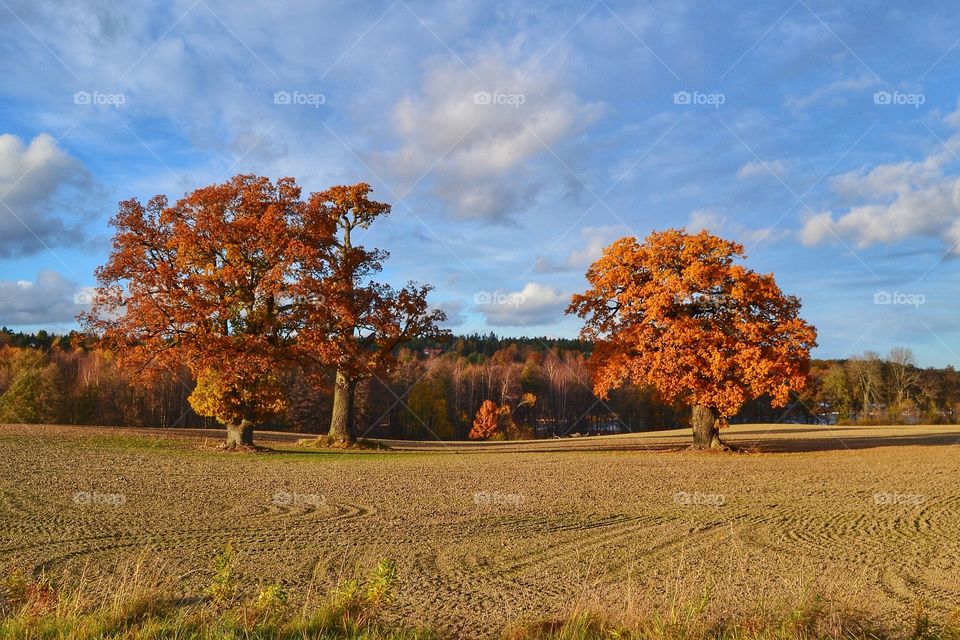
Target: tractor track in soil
x,y
556,523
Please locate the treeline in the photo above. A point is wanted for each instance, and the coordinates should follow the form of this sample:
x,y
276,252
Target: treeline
x,y
891,389
437,388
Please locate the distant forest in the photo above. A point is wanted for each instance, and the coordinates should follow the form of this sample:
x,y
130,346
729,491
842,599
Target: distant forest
x,y
437,388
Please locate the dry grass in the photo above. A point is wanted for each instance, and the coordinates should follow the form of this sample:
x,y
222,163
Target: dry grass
x,y
145,603
698,604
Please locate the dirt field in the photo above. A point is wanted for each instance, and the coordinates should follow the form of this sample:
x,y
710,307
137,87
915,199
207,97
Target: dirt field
x,y
488,534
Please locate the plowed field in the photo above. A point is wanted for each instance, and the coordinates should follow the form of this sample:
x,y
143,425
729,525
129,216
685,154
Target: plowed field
x,y
485,535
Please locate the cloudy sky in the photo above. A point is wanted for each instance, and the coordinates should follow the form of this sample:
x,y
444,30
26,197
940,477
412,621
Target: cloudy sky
x,y
514,140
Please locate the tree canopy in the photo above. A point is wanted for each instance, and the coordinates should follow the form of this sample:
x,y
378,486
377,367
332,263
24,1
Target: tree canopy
x,y
678,313
362,321
222,282
243,280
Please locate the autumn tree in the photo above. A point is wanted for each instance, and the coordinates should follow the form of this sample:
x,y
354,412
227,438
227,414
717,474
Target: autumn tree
x,y
486,422
425,411
35,391
866,378
492,420
834,390
362,321
904,376
223,282
679,314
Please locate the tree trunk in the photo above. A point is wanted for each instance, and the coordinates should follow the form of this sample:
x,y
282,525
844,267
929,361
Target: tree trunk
x,y
706,435
240,435
341,423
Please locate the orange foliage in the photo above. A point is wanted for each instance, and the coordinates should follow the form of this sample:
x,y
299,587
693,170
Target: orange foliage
x,y
492,420
487,421
221,282
678,314
362,321
238,280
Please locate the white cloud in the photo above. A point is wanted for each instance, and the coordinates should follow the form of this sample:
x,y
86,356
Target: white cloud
x,y
477,133
38,183
758,168
721,225
903,200
832,90
50,299
707,219
208,70
535,304
594,240
454,311
242,59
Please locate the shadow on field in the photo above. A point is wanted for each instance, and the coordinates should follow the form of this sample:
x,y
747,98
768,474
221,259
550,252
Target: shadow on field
x,y
835,442
773,438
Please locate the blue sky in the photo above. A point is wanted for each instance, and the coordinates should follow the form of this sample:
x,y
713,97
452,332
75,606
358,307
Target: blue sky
x,y
514,139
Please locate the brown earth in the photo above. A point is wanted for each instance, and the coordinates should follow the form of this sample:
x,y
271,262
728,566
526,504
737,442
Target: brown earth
x,y
485,534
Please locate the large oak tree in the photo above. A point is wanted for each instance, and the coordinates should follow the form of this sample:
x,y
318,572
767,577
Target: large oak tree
x,y
362,321
223,282
679,314
240,280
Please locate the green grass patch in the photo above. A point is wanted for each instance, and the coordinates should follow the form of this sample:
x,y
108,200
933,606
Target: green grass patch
x,y
162,444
